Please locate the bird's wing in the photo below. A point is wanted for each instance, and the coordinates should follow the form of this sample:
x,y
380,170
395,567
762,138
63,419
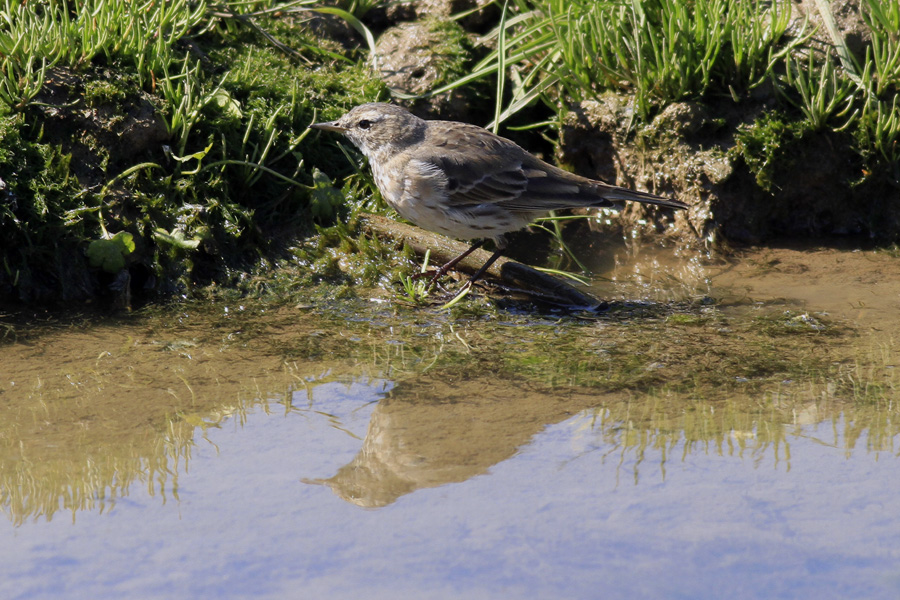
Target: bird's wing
x,y
481,168
508,180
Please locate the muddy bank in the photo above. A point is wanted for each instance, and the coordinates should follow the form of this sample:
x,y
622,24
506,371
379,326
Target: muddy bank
x,y
746,176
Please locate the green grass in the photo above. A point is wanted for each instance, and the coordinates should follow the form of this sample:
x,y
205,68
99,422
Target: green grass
x,y
236,175
659,50
662,51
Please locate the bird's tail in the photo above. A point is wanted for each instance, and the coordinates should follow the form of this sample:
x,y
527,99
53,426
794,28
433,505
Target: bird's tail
x,y
620,193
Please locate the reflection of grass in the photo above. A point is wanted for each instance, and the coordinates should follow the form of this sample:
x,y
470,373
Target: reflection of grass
x,y
40,478
76,434
738,425
97,409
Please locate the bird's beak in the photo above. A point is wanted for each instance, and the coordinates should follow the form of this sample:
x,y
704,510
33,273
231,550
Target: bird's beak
x,y
328,126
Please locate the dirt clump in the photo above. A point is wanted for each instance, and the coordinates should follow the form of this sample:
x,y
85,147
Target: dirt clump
x,y
101,119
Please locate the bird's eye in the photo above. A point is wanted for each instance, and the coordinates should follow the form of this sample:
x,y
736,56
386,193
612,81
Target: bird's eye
x,y
364,124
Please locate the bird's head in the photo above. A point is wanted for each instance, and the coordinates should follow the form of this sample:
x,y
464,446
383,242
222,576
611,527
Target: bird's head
x,y
378,128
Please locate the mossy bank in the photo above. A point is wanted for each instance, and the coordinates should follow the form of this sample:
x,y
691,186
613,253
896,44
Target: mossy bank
x,y
119,178
146,152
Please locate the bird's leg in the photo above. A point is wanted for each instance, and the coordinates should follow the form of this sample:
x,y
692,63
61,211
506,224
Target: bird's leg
x,y
438,273
486,266
466,288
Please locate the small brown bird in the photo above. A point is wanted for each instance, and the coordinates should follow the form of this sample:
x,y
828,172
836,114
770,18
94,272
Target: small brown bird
x,y
465,182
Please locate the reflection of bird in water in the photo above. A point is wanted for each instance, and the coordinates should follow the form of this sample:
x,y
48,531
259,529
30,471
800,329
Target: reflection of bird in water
x,y
394,461
446,430
367,483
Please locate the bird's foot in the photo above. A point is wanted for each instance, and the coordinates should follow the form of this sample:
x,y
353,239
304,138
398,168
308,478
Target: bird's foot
x,y
434,275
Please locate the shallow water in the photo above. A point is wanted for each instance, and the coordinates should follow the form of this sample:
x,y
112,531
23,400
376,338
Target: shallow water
x,y
727,431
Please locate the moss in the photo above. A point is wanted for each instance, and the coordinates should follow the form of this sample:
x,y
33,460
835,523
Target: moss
x,y
99,92
244,179
687,353
792,323
685,319
766,146
455,49
40,198
274,100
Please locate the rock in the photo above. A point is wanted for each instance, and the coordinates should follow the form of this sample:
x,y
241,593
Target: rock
x,y
483,13
416,58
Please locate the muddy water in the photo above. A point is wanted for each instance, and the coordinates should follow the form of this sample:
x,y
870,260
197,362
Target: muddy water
x,y
727,429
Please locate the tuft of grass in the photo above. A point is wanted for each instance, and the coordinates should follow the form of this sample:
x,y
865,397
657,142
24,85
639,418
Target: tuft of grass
x,y
825,96
416,290
660,51
664,51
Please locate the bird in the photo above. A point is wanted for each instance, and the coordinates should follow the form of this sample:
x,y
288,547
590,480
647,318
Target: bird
x,y
465,182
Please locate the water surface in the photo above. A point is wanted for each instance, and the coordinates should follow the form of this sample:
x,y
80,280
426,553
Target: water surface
x,y
727,431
